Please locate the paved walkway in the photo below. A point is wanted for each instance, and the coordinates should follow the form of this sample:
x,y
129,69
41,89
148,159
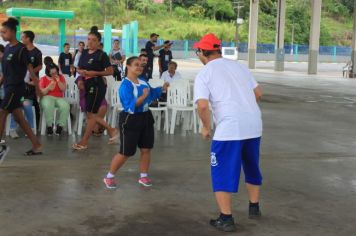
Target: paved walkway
x,y
308,162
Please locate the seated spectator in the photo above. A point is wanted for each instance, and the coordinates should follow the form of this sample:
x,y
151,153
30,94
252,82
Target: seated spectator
x,y
52,87
171,74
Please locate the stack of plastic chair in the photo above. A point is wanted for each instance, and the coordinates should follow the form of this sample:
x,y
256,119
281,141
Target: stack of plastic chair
x,y
179,100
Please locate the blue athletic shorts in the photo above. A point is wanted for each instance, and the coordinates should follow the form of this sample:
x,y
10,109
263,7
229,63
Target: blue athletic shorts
x,y
227,157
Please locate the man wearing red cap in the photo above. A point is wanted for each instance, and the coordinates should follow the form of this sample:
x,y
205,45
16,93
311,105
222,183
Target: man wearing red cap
x,y
233,94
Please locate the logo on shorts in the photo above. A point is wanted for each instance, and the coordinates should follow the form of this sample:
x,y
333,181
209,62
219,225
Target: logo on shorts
x,y
214,162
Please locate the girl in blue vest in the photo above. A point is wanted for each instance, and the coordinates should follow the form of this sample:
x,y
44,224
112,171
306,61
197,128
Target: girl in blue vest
x,y
135,122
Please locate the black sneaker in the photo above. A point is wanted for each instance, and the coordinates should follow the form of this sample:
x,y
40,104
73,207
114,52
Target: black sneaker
x,y
224,225
3,152
49,131
254,212
59,130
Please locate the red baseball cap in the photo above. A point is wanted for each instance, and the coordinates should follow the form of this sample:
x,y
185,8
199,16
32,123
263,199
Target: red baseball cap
x,y
208,42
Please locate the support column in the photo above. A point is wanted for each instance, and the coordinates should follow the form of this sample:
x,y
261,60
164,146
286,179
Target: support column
x,y
126,40
107,38
353,54
18,29
314,36
134,37
62,34
281,19
252,34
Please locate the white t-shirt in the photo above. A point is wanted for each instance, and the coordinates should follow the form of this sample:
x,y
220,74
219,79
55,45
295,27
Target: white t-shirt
x,y
76,59
229,85
168,78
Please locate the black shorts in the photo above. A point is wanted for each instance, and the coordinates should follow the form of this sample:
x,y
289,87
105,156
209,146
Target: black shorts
x,y
95,90
136,130
13,98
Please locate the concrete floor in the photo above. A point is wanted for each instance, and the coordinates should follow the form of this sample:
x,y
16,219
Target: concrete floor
x,y
308,161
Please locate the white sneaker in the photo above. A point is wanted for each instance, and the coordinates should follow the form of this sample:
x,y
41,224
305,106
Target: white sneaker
x,y
13,134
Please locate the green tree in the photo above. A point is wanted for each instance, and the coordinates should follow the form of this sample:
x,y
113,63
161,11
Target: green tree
x,y
196,11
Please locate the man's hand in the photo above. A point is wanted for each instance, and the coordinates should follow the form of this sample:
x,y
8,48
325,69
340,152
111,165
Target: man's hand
x,y
206,133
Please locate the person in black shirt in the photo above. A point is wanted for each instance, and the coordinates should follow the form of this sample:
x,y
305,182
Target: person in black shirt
x,y
35,56
65,61
165,56
93,65
30,97
15,65
143,60
150,48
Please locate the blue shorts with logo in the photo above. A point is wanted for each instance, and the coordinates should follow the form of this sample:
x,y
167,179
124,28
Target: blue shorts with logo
x,y
227,157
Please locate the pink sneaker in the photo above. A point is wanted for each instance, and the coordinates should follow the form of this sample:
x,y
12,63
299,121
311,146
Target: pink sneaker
x,y
110,183
145,181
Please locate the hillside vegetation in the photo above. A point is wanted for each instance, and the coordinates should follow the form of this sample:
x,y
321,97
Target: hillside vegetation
x,y
187,19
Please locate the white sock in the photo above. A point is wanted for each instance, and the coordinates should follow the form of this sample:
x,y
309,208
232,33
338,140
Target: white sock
x,y
143,175
110,176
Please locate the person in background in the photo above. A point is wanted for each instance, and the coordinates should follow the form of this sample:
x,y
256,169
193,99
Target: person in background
x,y
117,60
143,59
76,57
171,74
2,48
47,60
101,46
65,61
52,86
30,98
94,64
150,48
15,65
165,56
143,51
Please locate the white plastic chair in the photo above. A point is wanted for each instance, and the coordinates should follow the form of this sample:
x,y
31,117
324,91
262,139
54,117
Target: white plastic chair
x,y
156,82
115,103
179,99
109,80
157,115
8,123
